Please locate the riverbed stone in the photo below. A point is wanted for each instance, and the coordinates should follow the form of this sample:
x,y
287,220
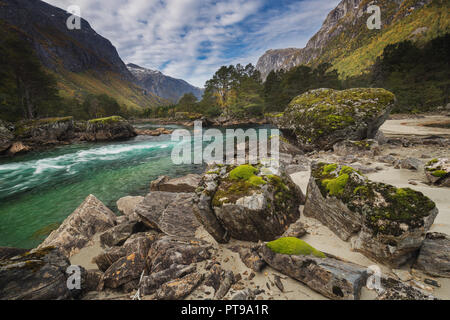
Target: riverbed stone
x,y
127,205
78,230
169,212
108,129
320,118
186,184
437,172
248,205
36,275
434,256
385,223
332,277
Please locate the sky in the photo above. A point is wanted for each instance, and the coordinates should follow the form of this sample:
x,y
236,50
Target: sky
x,y
192,39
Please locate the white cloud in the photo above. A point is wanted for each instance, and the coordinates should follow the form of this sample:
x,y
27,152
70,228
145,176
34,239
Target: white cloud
x,y
191,39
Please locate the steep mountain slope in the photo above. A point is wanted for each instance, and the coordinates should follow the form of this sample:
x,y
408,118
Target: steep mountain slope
x,y
161,85
82,60
345,41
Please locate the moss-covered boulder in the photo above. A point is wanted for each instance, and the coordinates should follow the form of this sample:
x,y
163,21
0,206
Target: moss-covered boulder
x,y
108,129
438,172
328,275
45,130
241,202
385,223
320,118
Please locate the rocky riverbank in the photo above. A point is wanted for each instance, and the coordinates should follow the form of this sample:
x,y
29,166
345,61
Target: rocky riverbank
x,y
319,227
44,133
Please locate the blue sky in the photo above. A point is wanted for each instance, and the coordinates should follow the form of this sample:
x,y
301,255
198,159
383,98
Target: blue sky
x,y
191,39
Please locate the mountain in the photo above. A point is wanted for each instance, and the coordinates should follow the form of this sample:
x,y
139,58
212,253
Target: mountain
x,y
346,42
161,85
83,61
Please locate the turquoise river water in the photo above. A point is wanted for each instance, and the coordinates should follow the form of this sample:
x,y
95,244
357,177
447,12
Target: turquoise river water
x,y
39,190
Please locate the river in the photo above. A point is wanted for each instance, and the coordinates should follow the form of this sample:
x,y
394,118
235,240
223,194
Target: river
x,y
40,189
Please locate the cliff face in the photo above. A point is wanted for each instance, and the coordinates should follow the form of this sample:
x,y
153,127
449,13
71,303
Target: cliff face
x,y
83,61
345,41
161,85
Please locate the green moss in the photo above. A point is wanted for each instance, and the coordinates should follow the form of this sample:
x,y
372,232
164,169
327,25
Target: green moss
x,y
243,172
346,170
329,168
336,186
439,173
294,246
431,162
107,120
256,181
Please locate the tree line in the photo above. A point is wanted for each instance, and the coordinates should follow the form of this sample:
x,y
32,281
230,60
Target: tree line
x,y
419,75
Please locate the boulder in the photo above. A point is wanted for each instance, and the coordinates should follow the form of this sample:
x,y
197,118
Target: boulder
x,y
174,250
77,231
123,271
47,130
332,277
320,118
246,204
117,235
171,213
179,288
7,252
6,136
127,205
409,164
108,129
251,258
139,242
386,223
186,184
363,148
36,275
295,230
438,172
434,256
151,283
397,290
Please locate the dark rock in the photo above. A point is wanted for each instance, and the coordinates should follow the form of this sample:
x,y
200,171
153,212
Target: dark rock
x,y
170,250
117,235
434,256
107,258
7,252
249,212
296,230
244,295
251,258
128,205
108,129
409,163
36,275
151,283
186,184
203,210
77,231
171,213
179,288
387,224
397,290
278,283
124,270
226,281
335,279
91,280
321,118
